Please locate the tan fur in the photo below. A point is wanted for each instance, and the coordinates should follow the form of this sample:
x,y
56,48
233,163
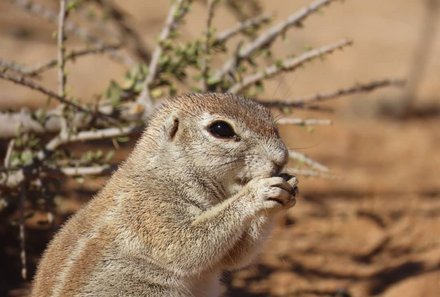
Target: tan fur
x,y
184,207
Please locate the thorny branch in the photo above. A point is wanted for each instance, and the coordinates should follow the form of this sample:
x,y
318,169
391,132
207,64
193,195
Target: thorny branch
x,y
69,57
61,52
127,32
15,67
266,38
51,16
308,161
34,86
289,64
175,15
61,46
35,71
9,150
325,96
87,135
304,122
224,36
207,45
22,231
90,170
311,173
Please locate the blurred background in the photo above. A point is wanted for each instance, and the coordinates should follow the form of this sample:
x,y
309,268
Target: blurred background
x,y
374,228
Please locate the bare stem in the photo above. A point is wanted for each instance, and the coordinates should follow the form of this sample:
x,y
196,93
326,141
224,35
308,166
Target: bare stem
x,y
289,64
70,56
304,122
87,170
126,30
305,101
7,161
12,66
88,135
224,36
51,16
267,37
207,45
22,231
35,71
302,158
61,52
34,86
310,173
175,15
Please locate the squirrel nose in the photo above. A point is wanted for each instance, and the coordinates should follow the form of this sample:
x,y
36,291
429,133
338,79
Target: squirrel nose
x,y
279,161
276,169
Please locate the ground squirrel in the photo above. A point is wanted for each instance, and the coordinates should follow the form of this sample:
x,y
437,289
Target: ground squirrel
x,y
194,198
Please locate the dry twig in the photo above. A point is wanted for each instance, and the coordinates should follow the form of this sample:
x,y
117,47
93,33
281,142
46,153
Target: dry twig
x,y
302,158
35,71
88,135
61,51
207,45
22,231
32,85
305,101
127,32
224,36
10,149
51,16
289,64
304,122
87,170
267,37
12,66
69,57
175,15
310,173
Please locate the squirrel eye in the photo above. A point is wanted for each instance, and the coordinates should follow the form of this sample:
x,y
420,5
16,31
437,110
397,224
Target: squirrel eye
x,y
221,129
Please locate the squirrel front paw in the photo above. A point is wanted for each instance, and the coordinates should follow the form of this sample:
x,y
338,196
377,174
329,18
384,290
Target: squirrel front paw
x,y
272,193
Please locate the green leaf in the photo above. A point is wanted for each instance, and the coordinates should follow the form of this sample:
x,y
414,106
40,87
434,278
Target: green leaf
x,y
109,156
279,63
113,93
26,157
123,139
79,179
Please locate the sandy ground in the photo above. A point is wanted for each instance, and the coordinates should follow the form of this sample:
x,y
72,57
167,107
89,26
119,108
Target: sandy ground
x,y
374,230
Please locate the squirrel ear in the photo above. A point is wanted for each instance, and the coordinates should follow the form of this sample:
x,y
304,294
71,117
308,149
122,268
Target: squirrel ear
x,y
173,127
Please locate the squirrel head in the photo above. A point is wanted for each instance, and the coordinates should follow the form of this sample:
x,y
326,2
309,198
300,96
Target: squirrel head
x,y
218,138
